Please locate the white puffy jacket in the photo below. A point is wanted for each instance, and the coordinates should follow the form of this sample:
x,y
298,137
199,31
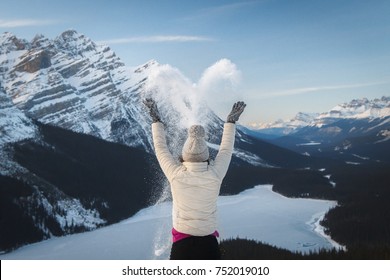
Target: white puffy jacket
x,y
195,185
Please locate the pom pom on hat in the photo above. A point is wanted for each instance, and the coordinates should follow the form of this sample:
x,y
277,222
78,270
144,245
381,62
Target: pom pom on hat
x,y
195,148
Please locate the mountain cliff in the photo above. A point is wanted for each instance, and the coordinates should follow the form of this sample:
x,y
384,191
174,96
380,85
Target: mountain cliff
x,y
73,83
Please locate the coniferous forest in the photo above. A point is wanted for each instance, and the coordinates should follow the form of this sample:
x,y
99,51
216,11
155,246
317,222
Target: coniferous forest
x,y
242,249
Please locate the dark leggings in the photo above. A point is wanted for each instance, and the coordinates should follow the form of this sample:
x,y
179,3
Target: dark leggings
x,y
196,248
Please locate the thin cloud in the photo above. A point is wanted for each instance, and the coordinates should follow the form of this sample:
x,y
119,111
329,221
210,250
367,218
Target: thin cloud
x,y
156,39
231,6
305,90
221,10
24,23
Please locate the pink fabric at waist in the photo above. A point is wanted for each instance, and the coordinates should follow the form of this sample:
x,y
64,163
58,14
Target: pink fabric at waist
x,y
177,235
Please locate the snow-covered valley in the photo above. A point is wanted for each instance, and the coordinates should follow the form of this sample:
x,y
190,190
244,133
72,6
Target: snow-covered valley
x,y
258,214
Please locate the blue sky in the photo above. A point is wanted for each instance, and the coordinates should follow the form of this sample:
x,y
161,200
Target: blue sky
x,y
293,55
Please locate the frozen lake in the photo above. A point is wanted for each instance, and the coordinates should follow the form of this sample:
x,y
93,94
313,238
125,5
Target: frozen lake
x,y
257,213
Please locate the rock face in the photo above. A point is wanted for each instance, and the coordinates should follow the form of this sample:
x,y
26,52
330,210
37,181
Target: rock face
x,y
34,61
76,84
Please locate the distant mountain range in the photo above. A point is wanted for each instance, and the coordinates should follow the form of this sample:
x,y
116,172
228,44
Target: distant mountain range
x,y
356,109
357,131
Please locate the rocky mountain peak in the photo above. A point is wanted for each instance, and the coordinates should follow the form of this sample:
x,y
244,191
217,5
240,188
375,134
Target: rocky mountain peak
x,y
9,42
146,66
75,43
40,41
361,108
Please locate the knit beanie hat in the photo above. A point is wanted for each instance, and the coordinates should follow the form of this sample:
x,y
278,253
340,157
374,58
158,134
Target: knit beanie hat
x,y
195,148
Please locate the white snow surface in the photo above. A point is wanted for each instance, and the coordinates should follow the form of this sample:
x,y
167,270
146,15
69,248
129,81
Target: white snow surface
x,y
257,214
14,125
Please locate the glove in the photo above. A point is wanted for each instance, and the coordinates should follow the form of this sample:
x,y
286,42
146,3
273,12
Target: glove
x,y
153,111
236,112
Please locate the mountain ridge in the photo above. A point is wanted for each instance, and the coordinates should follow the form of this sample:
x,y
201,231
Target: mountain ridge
x,y
355,109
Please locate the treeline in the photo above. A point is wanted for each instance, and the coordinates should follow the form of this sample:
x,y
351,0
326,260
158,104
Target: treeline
x,y
288,182
16,227
361,220
243,249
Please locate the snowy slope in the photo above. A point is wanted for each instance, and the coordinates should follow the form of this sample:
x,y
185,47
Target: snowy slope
x,y
14,125
258,214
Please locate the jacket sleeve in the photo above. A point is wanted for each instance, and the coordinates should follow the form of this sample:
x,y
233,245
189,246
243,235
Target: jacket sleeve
x,y
222,160
167,163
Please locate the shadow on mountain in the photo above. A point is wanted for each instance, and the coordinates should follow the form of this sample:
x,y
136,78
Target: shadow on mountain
x,y
111,179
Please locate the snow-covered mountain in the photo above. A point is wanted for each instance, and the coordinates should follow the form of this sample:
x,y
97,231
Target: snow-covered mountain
x,y
360,109
357,109
76,84
281,127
